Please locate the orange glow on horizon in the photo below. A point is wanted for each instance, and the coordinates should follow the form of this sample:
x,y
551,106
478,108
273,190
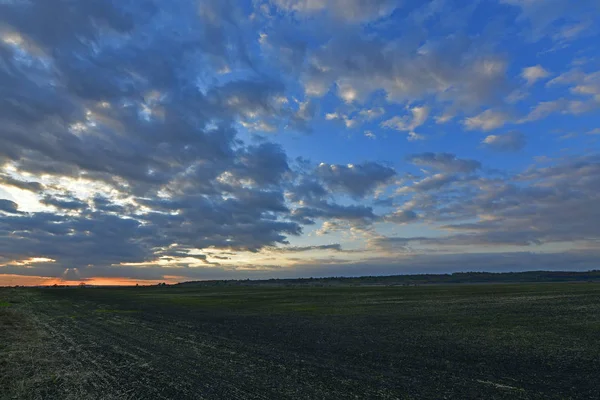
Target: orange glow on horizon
x,y
23,280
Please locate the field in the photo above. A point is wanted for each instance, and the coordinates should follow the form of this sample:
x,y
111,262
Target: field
x,y
492,341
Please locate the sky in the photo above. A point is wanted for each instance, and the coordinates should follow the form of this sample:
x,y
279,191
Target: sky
x,y
145,141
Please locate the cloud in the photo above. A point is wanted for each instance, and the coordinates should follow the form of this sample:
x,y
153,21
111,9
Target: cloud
x,y
487,120
372,113
355,179
355,118
562,106
433,182
512,141
307,190
545,16
581,83
449,69
355,214
412,137
9,206
154,141
570,32
538,206
300,249
346,10
25,185
64,203
401,217
264,164
586,88
445,162
534,74
409,263
408,123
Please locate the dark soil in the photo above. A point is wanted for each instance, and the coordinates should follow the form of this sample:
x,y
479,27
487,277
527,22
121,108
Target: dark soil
x,y
457,342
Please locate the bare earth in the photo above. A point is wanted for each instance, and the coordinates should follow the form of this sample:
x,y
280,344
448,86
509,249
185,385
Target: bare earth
x,y
476,341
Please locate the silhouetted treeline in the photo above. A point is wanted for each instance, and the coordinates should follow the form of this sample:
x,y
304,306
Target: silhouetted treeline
x,y
407,280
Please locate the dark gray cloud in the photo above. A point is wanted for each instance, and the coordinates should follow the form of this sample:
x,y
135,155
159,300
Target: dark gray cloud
x,y
128,94
355,179
551,204
401,216
264,164
9,206
64,203
356,214
307,190
456,69
97,239
407,264
445,162
25,185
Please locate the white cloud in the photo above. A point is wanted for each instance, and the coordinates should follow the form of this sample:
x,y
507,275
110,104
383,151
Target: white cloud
x,y
487,120
582,84
544,109
547,17
370,135
372,113
350,123
417,118
346,10
445,117
534,74
420,115
512,141
261,126
562,106
516,96
348,93
589,86
571,32
413,137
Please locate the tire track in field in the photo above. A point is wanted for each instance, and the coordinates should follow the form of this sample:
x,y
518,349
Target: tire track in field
x,y
150,356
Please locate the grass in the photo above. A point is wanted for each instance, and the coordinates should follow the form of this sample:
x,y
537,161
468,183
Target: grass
x,y
493,341
107,311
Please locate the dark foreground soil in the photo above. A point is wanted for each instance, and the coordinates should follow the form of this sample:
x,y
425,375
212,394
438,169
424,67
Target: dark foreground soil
x,y
455,342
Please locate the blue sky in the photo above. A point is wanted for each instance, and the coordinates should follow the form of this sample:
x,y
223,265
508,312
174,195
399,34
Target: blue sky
x,y
145,141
